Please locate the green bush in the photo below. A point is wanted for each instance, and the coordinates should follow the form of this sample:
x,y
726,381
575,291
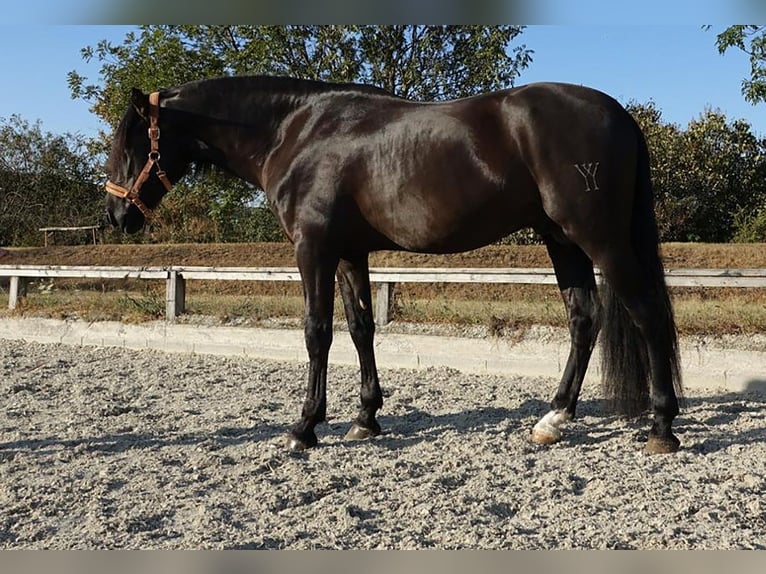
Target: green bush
x,y
750,228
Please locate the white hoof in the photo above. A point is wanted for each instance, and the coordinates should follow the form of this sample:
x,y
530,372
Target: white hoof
x,y
545,435
548,429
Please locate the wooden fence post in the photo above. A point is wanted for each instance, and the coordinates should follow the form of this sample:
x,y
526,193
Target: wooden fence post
x,y
384,303
175,296
18,288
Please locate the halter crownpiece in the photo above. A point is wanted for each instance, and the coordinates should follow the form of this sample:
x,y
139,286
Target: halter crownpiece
x,y
132,194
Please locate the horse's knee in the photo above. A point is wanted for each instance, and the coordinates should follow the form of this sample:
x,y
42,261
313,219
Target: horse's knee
x,y
580,325
318,336
361,328
583,309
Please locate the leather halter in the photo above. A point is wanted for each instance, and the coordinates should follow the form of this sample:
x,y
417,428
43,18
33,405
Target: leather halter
x,y
132,194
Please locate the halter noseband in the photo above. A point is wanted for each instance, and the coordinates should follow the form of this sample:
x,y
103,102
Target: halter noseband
x,y
132,194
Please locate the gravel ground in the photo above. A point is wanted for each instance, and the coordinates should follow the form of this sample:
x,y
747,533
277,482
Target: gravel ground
x,y
111,448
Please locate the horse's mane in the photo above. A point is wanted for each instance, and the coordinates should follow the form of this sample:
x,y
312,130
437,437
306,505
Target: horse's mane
x,y
120,135
273,85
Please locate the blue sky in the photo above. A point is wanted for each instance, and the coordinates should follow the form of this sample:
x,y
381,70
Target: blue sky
x,y
676,66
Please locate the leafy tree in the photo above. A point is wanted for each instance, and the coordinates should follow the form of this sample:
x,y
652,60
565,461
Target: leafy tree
x,y
441,62
421,62
709,179
46,180
750,39
210,210
665,153
726,173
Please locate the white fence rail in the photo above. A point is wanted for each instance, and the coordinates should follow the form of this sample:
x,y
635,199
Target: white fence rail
x,y
384,278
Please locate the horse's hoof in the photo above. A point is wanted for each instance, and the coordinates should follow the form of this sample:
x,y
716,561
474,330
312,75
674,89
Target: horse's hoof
x,y
358,432
662,445
545,436
297,444
548,429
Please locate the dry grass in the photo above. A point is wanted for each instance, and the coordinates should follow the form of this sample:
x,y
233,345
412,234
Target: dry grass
x,y
675,255
497,306
732,312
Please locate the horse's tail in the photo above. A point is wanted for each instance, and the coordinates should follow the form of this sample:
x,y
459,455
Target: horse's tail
x,y
624,358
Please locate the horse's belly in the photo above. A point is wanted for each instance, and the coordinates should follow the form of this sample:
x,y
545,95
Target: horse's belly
x,y
451,224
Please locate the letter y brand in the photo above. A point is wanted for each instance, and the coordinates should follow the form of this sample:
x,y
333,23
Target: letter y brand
x,y
588,171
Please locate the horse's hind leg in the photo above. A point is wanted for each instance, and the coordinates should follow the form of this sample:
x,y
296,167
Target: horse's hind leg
x,y
574,274
354,283
648,308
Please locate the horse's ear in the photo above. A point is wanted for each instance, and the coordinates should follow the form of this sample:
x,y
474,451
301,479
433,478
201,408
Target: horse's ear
x,y
140,102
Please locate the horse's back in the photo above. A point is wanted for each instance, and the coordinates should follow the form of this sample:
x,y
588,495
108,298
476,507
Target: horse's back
x,y
456,175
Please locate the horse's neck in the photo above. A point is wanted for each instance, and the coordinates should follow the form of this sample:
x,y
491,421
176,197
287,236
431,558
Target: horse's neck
x,y
239,137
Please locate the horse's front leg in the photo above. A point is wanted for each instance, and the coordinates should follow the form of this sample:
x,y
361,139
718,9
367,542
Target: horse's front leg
x,y
318,274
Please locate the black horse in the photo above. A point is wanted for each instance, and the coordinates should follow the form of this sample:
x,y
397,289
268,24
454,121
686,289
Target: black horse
x,y
349,169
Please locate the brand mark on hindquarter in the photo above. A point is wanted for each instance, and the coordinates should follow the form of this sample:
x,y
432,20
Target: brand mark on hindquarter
x,y
588,171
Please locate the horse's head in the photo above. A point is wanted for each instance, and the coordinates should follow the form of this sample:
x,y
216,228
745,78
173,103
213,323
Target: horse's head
x,y
142,167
